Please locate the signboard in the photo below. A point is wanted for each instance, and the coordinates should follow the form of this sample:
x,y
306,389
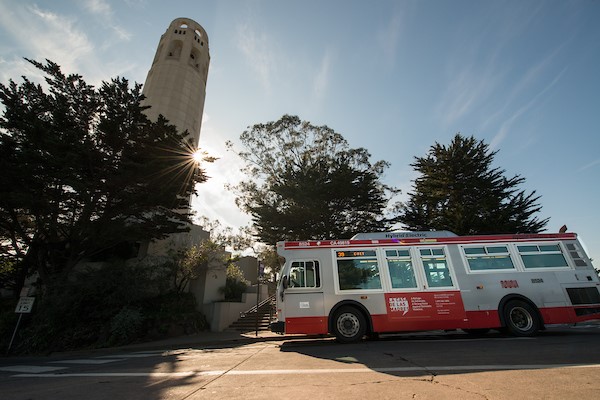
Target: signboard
x,y
25,305
425,306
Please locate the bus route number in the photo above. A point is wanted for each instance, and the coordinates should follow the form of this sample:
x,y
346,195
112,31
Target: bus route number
x,y
509,284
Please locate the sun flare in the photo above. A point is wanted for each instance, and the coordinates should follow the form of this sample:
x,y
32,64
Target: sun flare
x,y
198,156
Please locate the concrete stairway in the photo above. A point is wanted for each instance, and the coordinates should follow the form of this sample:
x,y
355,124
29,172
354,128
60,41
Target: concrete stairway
x,y
248,319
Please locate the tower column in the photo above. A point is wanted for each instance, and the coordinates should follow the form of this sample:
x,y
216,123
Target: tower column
x,y
175,88
176,83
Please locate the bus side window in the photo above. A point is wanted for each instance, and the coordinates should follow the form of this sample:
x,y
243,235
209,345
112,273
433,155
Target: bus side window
x,y
358,274
304,274
402,273
542,256
436,268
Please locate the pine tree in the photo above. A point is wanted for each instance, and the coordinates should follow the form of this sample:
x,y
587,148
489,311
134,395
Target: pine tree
x,y
459,190
84,170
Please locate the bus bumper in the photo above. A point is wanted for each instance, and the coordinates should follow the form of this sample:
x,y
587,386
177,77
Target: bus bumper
x,y
278,327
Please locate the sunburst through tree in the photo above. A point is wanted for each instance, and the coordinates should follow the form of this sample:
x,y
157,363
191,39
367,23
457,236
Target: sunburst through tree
x,y
84,169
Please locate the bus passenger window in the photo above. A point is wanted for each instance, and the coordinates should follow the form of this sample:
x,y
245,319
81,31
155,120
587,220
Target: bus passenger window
x,y
358,274
402,273
436,268
486,258
542,256
304,274
437,273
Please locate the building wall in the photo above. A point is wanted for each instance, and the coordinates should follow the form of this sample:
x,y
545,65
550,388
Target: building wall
x,y
248,266
176,241
206,288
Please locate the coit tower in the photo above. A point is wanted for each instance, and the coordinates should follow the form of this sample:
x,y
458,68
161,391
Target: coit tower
x,y
176,83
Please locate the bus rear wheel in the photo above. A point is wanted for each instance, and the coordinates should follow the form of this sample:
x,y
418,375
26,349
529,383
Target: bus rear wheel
x,y
521,319
349,325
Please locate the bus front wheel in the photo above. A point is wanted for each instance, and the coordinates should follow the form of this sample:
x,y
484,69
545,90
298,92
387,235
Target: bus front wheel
x,y
521,319
349,325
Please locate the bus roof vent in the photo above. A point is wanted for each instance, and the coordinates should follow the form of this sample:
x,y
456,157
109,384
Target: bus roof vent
x,y
403,235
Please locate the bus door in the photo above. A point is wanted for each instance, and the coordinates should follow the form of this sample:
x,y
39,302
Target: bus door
x,y
302,299
424,292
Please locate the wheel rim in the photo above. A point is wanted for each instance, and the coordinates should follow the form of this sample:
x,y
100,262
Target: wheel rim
x,y
348,324
521,319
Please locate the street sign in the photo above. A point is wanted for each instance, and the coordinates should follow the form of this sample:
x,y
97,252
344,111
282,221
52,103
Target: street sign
x,y
25,305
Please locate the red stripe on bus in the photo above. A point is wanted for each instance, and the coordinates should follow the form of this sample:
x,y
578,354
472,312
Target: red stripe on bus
x,y
307,325
309,244
472,320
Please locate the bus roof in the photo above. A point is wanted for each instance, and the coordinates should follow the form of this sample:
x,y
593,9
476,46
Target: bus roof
x,y
403,235
345,243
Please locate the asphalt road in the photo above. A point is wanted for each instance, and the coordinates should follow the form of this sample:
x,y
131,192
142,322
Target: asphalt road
x,y
560,363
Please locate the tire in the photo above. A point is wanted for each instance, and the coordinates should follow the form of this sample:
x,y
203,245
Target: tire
x,y
521,319
349,325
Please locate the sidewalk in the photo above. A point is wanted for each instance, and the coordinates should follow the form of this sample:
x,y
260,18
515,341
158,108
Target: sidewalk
x,y
206,339
199,340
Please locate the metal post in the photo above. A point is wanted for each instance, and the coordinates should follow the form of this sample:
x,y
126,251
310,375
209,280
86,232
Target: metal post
x,y
257,291
14,333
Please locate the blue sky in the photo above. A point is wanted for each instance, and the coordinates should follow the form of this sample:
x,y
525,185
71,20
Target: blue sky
x,y
391,76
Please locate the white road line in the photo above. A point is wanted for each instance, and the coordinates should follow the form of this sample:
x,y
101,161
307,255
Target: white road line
x,y
31,369
122,374
90,361
138,355
426,369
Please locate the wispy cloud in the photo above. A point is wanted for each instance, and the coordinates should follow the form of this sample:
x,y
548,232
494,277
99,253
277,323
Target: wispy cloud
x,y
479,78
389,35
507,124
49,35
257,48
523,85
467,90
103,9
589,165
58,37
98,7
321,81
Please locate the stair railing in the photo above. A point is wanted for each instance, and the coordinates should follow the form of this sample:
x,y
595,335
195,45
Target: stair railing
x,y
254,309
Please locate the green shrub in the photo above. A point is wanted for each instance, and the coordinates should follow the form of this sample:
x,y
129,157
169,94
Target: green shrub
x,y
172,313
114,305
235,284
126,325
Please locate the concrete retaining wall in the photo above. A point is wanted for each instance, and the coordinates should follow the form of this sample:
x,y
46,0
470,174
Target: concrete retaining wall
x,y
222,314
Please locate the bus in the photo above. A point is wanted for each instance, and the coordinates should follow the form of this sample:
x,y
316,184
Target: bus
x,y
390,282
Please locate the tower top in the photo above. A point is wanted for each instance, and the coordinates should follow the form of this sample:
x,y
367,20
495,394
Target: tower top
x,y
180,25
176,83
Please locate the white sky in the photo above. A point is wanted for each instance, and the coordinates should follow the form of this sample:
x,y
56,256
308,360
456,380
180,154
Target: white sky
x,y
391,76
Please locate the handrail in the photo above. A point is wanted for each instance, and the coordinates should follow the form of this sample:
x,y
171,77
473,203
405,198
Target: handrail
x,y
255,308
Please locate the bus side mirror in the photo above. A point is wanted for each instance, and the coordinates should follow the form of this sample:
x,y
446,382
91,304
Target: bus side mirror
x,y
284,282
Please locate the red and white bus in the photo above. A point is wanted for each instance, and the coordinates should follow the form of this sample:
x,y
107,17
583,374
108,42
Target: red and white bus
x,y
416,281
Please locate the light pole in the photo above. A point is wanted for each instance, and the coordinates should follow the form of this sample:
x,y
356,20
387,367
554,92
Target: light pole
x,y
258,274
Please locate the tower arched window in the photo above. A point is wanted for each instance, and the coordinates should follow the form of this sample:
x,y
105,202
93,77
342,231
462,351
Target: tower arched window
x,y
175,49
194,58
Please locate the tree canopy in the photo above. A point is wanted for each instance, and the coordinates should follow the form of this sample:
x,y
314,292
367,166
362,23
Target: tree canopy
x,y
305,182
83,170
459,190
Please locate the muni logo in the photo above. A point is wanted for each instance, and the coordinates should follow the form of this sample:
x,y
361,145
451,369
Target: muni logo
x,y
399,304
